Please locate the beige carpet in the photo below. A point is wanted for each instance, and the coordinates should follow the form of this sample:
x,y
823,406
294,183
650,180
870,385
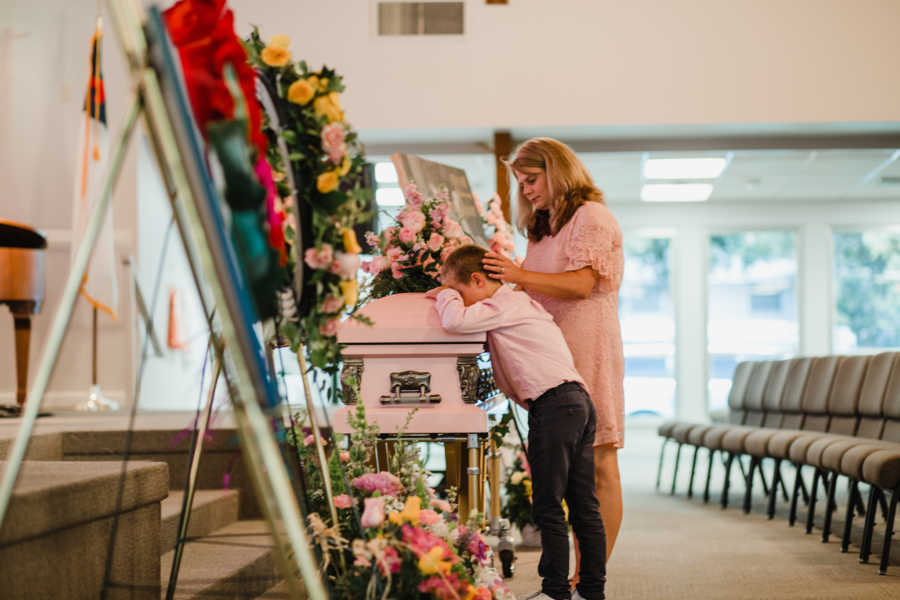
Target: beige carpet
x,y
675,548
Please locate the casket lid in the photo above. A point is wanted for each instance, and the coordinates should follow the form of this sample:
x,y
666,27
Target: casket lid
x,y
401,319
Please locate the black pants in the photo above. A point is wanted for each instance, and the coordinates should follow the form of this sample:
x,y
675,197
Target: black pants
x,y
560,451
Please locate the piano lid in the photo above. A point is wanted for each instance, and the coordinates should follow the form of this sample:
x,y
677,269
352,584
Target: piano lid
x,y
16,235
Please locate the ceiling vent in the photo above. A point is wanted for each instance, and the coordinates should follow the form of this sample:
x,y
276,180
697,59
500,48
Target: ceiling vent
x,y
890,180
420,18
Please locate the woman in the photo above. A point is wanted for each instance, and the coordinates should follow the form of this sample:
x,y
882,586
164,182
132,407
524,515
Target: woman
x,y
573,267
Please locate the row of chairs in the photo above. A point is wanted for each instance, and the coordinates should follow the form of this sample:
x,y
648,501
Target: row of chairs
x,y
839,415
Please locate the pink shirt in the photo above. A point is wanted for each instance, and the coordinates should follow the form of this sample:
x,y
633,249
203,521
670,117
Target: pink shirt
x,y
528,351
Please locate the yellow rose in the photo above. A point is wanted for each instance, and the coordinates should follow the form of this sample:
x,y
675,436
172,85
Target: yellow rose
x,y
313,81
351,246
300,92
275,56
329,107
327,182
345,166
323,84
350,291
280,41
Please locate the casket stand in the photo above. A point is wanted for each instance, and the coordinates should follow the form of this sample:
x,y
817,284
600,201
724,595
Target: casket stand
x,y
406,361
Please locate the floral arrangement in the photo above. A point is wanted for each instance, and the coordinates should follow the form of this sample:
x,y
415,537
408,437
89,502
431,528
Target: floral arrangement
x,y
518,494
501,239
325,161
394,537
409,254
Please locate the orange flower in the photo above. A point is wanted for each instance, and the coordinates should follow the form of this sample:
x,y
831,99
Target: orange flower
x,y
327,182
275,56
351,246
300,92
280,41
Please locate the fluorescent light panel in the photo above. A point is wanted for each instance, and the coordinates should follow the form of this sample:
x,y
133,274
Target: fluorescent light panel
x,y
683,168
385,172
392,196
676,192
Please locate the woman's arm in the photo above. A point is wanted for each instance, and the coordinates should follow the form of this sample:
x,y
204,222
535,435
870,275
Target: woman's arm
x,y
571,285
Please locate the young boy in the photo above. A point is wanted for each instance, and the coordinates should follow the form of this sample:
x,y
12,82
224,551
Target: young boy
x,y
533,366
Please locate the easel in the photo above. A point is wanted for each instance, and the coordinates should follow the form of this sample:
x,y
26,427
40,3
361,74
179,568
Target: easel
x,y
185,187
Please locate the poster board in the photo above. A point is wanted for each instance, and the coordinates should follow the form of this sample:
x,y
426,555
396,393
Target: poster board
x,y
431,177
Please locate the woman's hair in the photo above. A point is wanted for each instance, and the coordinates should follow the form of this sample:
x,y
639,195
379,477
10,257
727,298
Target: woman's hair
x,y
569,182
464,261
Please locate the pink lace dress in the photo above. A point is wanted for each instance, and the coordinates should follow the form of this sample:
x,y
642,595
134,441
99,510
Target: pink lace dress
x,y
591,326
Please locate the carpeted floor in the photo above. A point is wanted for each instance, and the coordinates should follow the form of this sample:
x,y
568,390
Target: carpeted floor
x,y
673,548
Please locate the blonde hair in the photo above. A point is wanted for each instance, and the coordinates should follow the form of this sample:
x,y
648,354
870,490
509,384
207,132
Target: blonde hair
x,y
569,182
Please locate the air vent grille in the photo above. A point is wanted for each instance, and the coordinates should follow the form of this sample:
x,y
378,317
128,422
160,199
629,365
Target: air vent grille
x,y
420,18
890,180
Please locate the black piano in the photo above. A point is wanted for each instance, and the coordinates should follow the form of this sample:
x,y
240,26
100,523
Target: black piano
x,y
21,288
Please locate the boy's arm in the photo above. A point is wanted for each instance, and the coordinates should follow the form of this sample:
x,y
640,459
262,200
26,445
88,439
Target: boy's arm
x,y
457,318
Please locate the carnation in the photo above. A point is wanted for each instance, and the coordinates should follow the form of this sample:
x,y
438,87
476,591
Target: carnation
x,y
319,258
383,482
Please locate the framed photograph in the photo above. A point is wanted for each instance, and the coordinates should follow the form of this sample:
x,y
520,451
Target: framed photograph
x,y
431,177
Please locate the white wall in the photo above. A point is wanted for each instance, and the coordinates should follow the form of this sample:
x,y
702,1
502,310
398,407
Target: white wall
x,y
536,63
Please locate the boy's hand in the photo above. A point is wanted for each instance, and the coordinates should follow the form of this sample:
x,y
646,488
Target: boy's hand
x,y
432,293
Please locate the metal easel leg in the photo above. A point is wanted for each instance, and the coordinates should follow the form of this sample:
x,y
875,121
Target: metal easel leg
x,y
187,502
64,311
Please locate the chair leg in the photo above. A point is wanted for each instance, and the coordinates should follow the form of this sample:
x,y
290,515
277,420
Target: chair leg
x,y
773,491
762,476
690,490
811,508
727,484
748,486
798,481
675,473
662,454
848,516
803,487
888,533
709,468
830,505
865,546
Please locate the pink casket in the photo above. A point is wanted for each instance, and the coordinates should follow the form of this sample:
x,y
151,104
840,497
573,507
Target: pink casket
x,y
406,360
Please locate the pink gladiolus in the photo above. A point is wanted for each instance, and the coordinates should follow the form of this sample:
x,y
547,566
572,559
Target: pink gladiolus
x,y
413,196
372,240
435,242
332,304
373,513
333,142
319,258
329,328
342,501
428,517
406,235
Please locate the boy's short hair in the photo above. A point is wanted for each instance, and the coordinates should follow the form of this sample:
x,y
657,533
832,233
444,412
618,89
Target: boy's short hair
x,y
464,261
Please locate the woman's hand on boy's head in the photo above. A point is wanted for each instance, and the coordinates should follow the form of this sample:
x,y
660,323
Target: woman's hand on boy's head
x,y
502,268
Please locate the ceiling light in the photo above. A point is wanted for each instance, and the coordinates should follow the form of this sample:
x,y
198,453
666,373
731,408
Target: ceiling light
x,y
391,196
385,172
683,168
676,192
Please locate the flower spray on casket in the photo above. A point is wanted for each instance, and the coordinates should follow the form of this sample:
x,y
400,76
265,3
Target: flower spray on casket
x,y
394,537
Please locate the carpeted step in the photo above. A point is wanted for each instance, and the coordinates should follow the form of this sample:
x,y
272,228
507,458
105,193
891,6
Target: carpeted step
x,y
235,561
213,509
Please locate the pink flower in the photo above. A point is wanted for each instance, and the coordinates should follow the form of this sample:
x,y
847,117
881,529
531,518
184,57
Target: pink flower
x,y
373,513
412,219
384,482
478,205
394,253
478,548
376,265
319,258
345,264
439,213
342,501
332,304
309,440
428,517
372,240
397,270
413,197
344,456
406,235
390,233
389,561
452,229
333,142
449,587
441,505
435,242
329,328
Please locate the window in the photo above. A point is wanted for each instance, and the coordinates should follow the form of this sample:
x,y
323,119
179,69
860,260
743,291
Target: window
x,y
752,304
648,327
867,291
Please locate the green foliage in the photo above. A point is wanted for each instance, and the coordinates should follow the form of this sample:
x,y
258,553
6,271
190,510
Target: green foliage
x,y
517,507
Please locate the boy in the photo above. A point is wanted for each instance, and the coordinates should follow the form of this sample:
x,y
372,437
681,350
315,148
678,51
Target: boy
x,y
534,367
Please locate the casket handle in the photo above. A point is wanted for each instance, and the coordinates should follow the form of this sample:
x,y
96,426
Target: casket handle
x,y
411,382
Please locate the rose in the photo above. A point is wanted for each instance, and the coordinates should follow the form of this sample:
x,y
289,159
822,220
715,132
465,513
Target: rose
x,y
452,229
342,501
412,219
327,182
319,259
333,142
300,92
329,328
276,54
428,517
332,304
376,265
390,233
393,254
329,106
435,242
373,513
406,235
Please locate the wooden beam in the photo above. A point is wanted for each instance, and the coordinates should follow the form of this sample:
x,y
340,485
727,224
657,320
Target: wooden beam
x,y
503,147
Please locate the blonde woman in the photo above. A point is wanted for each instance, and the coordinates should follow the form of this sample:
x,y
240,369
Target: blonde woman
x,y
574,267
